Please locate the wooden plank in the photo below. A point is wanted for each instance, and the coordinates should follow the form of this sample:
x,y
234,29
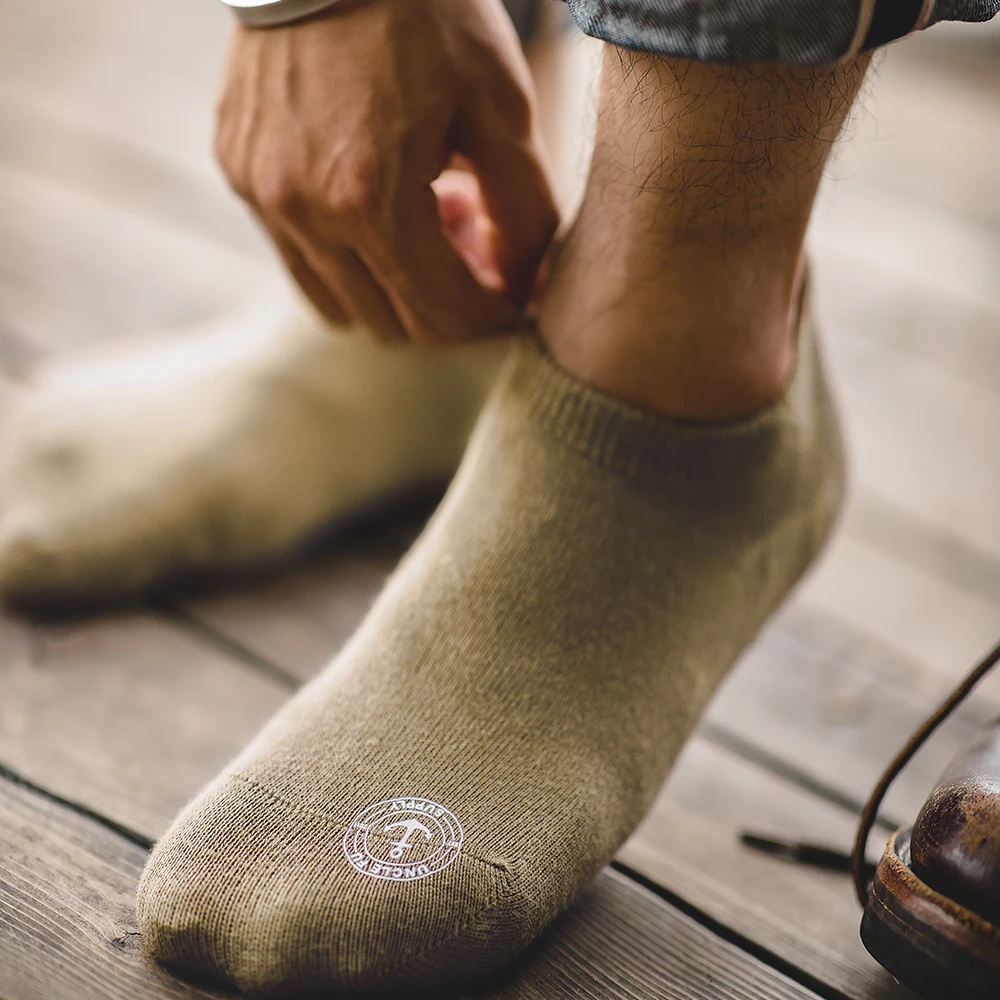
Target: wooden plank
x,y
620,941
941,554
300,619
67,923
956,332
913,187
814,692
95,712
330,604
818,693
75,269
851,973
48,144
68,932
837,705
130,721
129,718
902,581
915,610
689,843
921,437
836,683
127,715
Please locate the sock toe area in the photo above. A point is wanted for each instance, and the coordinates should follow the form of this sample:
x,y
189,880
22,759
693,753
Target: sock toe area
x,y
249,889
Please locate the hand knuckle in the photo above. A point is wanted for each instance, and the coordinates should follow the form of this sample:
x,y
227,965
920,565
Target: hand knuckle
x,y
275,192
356,198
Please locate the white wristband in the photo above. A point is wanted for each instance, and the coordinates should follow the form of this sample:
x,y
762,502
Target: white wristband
x,y
271,13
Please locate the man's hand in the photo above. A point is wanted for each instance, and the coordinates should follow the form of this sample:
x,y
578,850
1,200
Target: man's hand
x,y
334,130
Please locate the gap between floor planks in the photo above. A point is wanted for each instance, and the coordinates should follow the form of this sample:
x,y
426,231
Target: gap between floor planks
x,y
327,647
74,937
830,598
78,721
60,700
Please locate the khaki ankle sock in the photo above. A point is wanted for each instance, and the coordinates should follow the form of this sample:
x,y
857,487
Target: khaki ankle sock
x,y
218,449
507,712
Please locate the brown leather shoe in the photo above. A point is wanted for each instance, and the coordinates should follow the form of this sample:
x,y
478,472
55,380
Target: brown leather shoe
x,y
932,906
933,912
932,909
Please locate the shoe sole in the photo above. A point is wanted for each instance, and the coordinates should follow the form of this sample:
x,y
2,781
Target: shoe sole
x,y
928,942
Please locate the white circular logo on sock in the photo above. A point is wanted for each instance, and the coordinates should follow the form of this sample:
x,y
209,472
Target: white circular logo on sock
x,y
403,839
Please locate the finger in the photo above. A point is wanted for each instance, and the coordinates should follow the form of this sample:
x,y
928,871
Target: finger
x,y
467,225
314,289
435,295
345,275
518,198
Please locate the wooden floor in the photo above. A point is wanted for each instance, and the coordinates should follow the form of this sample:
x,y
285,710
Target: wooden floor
x,y
112,220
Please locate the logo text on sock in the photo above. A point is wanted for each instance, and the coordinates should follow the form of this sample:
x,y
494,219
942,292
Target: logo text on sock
x,y
403,839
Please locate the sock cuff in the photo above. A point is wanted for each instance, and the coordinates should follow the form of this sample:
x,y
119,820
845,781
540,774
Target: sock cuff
x,y
638,444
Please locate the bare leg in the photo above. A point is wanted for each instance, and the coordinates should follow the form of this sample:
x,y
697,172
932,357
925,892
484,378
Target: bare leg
x,y
548,644
678,286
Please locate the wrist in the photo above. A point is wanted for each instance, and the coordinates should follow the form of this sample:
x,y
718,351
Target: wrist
x,y
276,13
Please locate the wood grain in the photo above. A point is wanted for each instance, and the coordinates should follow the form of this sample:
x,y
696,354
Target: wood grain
x,y
68,932
835,684
112,221
836,706
130,722
67,922
690,844
191,722
302,618
620,941
128,716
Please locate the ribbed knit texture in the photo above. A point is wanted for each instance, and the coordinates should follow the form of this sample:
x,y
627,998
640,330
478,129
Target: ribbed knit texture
x,y
507,712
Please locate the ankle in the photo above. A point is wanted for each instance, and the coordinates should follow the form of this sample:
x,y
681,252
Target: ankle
x,y
688,385
677,289
698,342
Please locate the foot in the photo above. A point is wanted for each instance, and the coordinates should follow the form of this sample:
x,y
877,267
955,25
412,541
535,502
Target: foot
x,y
507,712
218,448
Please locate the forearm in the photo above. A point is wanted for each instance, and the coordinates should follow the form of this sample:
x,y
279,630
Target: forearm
x,y
274,13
